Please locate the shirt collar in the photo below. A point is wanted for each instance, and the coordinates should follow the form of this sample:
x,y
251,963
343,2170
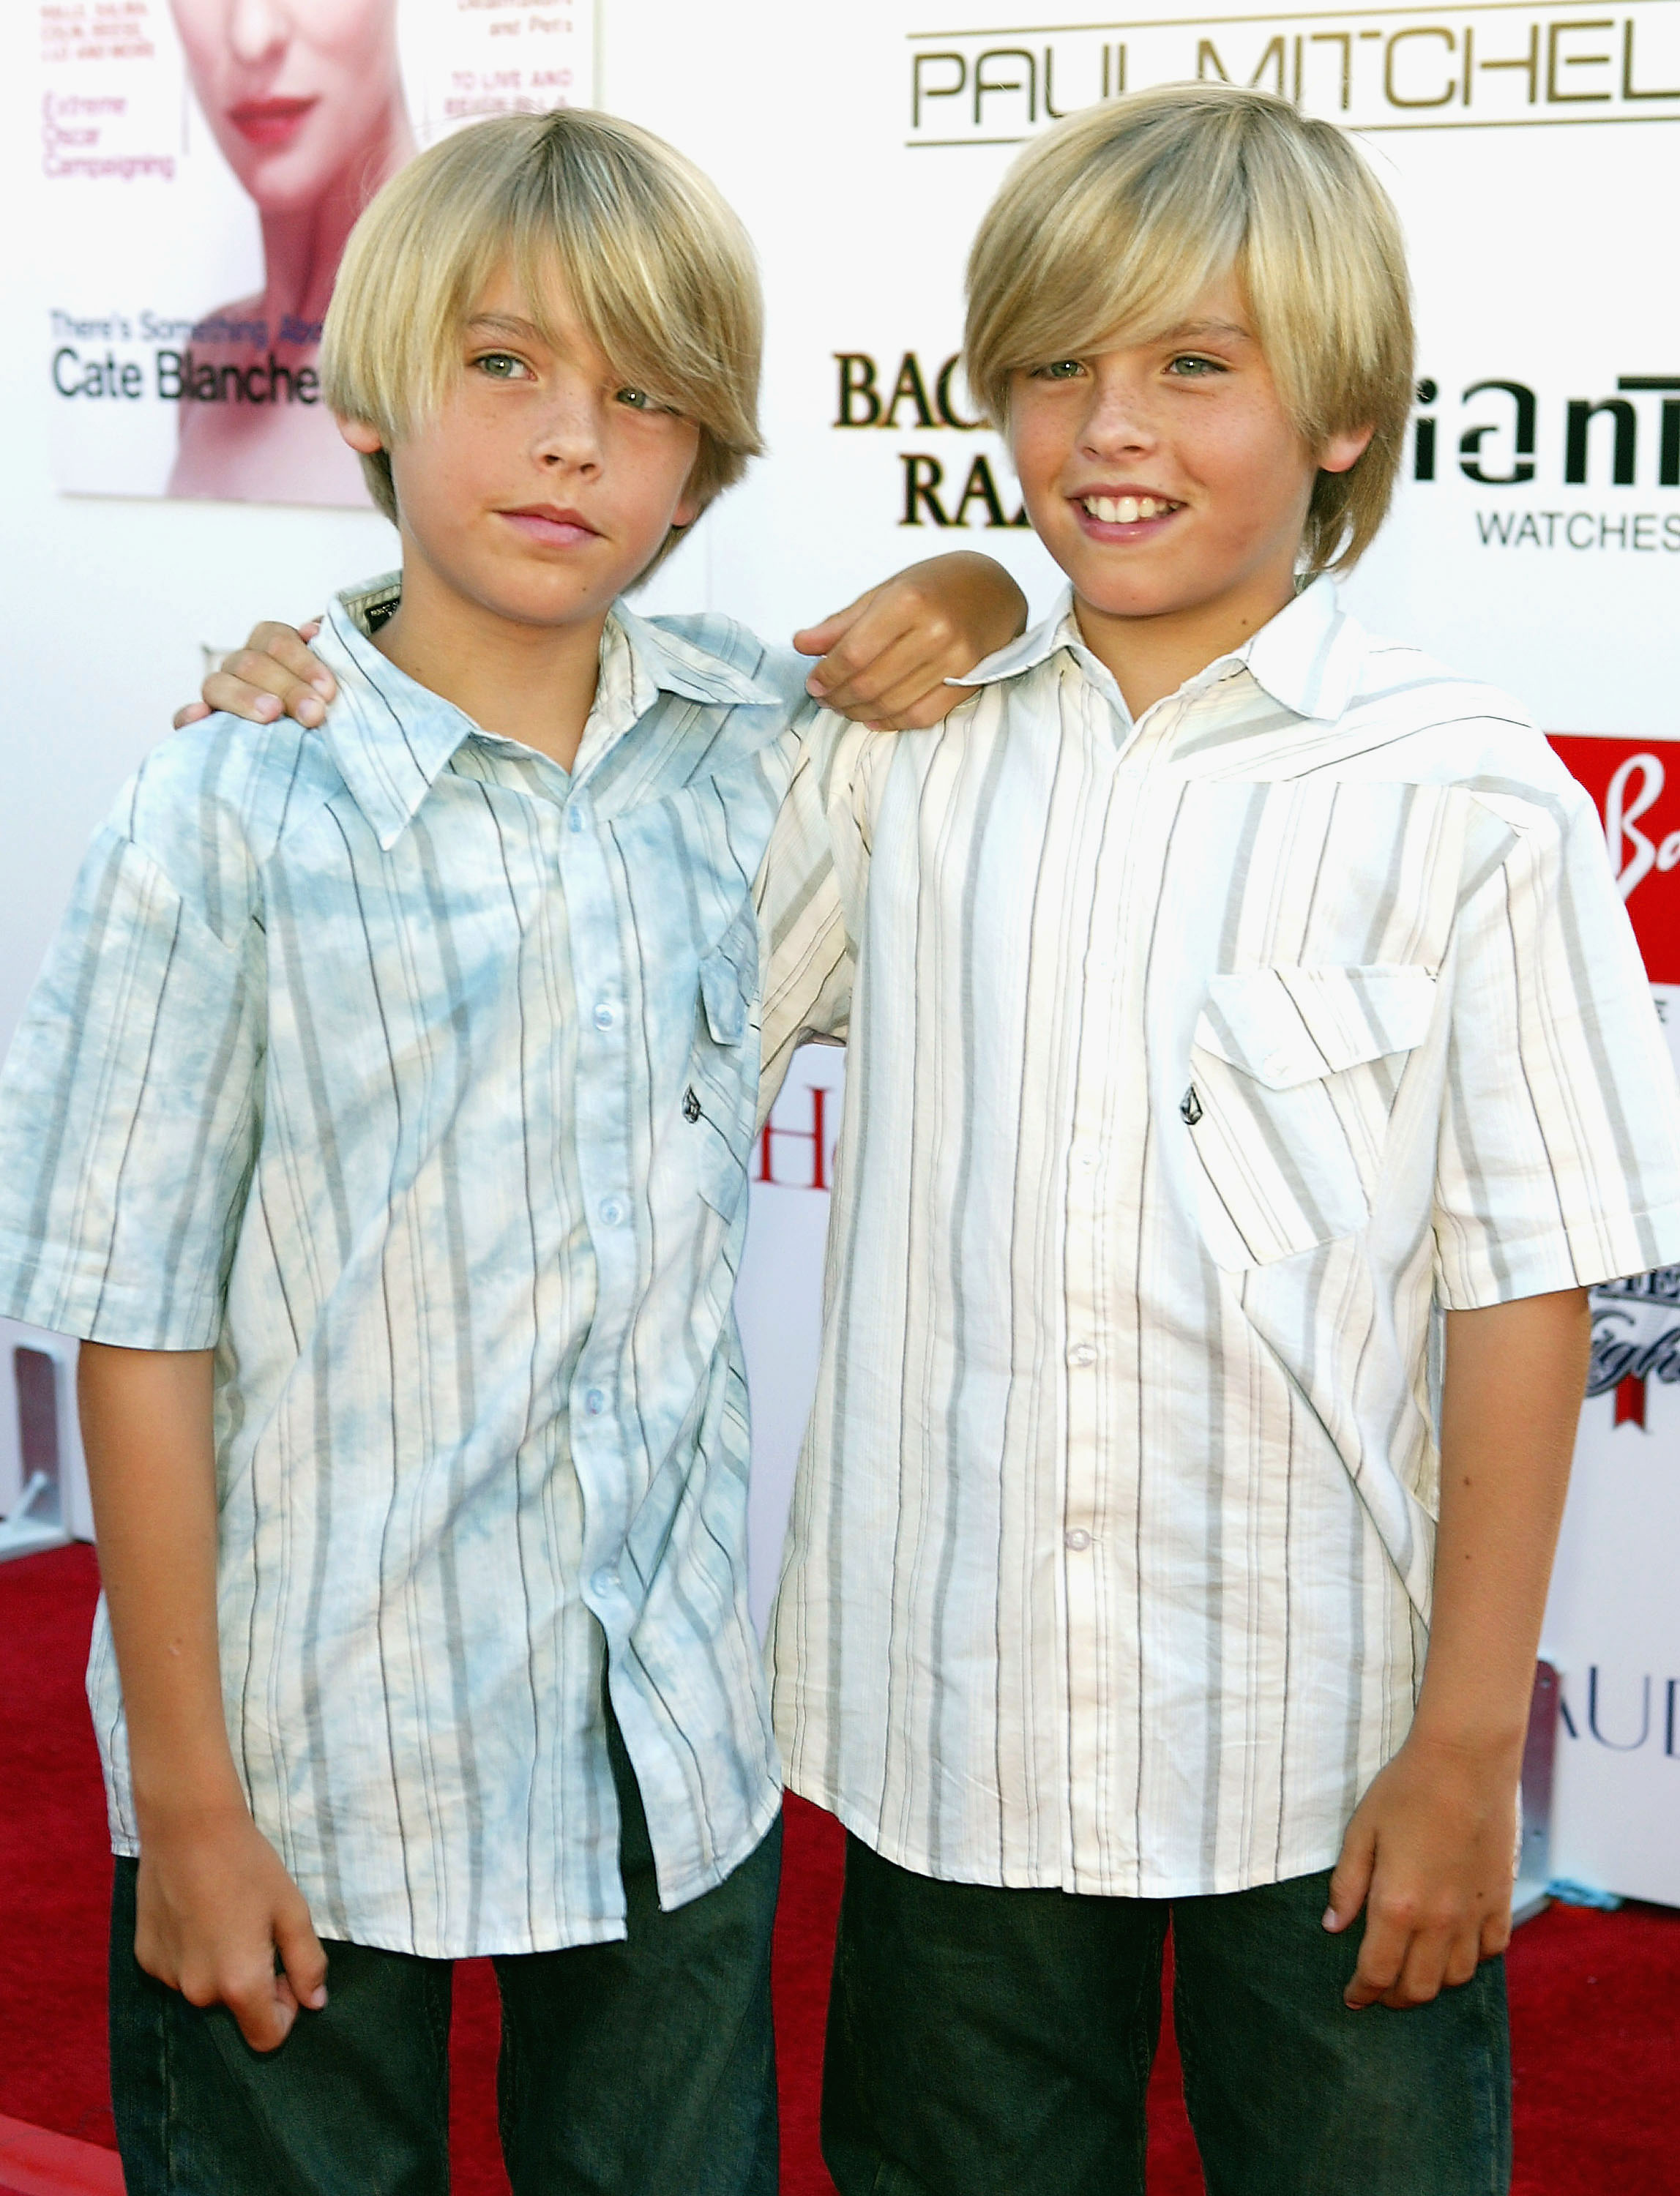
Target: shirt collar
x,y
1307,657
391,737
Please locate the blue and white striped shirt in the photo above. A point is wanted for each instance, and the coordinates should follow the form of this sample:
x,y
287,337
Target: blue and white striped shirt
x,y
416,1076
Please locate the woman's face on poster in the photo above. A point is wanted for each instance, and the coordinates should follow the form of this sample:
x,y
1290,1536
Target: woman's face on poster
x,y
294,89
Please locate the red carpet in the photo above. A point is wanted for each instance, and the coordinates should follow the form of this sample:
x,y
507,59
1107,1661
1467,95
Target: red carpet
x,y
1595,1997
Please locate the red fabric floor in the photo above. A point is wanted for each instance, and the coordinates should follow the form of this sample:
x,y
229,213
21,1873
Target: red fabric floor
x,y
1595,1997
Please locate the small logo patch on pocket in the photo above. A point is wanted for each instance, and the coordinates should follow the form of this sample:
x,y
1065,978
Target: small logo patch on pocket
x,y
1190,1107
690,1105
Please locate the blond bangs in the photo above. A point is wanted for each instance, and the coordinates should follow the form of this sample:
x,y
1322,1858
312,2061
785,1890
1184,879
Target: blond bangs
x,y
656,266
1110,228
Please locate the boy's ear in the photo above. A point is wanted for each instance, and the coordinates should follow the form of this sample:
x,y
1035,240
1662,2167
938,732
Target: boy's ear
x,y
363,437
1342,453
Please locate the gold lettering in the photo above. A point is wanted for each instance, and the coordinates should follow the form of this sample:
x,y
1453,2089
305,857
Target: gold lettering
x,y
1554,59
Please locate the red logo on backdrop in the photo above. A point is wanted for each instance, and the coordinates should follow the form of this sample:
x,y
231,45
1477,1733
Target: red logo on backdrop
x,y
1637,786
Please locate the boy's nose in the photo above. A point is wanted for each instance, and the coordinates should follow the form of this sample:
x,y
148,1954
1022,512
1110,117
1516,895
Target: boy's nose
x,y
570,438
1117,421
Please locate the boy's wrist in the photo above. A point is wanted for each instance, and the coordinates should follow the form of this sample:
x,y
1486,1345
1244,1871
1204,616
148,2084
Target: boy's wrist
x,y
1473,1739
189,1799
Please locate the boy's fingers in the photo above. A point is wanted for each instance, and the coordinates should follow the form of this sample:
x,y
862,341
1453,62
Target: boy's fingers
x,y
256,688
868,662
934,707
1381,1956
1350,1882
891,678
263,2010
190,714
817,639
1422,1971
1463,1956
287,646
302,1958
1496,1934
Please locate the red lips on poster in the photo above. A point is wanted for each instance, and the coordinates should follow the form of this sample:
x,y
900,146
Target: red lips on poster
x,y
1637,786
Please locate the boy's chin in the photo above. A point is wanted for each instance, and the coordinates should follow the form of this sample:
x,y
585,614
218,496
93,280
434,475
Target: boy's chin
x,y
1134,594
546,593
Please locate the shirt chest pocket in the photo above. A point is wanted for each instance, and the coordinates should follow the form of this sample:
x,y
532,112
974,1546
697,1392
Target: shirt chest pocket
x,y
718,1102
1293,1075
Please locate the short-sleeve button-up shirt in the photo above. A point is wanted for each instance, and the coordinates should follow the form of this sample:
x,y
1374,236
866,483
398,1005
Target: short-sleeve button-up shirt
x,y
1197,1064
415,1075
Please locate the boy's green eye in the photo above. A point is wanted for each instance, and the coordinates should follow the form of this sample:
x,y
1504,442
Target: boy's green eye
x,y
1058,369
637,399
500,365
1189,368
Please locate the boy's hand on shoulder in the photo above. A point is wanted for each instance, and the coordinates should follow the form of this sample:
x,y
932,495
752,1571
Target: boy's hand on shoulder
x,y
886,656
214,1907
274,675
1430,1855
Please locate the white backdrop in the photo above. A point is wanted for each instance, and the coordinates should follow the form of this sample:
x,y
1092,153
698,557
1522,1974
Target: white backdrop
x,y
1534,156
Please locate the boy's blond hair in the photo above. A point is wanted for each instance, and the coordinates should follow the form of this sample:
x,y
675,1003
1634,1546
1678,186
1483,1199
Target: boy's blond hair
x,y
656,266
1108,229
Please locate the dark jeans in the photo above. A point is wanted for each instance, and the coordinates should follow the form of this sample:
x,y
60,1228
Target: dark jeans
x,y
647,2066
984,2041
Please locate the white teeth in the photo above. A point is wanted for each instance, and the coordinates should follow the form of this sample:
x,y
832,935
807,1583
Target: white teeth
x,y
1125,509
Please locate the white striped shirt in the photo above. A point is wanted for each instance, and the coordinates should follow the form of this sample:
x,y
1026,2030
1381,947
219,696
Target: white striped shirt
x,y
1195,1066
416,1076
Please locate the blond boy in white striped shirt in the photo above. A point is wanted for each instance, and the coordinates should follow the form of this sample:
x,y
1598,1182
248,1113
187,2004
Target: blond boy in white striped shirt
x,y
1250,1068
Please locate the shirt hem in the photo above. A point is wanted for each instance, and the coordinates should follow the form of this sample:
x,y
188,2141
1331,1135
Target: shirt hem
x,y
596,1929
1130,1882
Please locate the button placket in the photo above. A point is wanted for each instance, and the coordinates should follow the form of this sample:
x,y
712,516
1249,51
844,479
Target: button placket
x,y
601,1443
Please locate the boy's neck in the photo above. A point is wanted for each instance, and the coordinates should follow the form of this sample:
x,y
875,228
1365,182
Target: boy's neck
x,y
531,683
1151,657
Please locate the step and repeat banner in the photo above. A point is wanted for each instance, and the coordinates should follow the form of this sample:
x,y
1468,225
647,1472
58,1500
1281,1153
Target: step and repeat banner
x,y
200,161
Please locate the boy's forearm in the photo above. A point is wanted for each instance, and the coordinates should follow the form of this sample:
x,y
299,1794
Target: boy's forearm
x,y
1515,1376
148,1428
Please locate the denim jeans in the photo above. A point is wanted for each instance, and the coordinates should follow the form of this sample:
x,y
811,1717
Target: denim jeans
x,y
641,2068
990,2042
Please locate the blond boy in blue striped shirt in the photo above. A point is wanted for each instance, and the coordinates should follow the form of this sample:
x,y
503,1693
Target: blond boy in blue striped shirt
x,y
380,1122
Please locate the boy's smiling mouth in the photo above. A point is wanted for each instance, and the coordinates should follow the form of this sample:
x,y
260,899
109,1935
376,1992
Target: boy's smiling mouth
x,y
1123,509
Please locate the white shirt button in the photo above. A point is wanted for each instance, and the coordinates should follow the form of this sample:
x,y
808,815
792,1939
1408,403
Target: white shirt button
x,y
612,1212
606,1014
595,1401
1078,1540
574,820
1083,1353
605,1580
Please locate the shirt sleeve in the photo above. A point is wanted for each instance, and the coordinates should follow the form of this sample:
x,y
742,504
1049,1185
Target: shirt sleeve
x,y
128,1115
1558,1164
810,895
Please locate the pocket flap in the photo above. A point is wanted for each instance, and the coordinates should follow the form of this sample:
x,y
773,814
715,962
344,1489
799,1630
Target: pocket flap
x,y
1290,1026
725,989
